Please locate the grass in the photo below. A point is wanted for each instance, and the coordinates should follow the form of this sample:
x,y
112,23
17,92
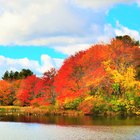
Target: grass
x,y
42,111
36,111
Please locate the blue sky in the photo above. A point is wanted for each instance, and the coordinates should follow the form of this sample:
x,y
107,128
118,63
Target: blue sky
x,y
127,15
31,52
40,34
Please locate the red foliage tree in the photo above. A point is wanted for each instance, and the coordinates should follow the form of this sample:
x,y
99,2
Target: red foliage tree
x,y
68,81
48,83
31,89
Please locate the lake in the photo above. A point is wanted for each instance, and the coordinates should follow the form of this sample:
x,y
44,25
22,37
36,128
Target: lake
x,y
68,128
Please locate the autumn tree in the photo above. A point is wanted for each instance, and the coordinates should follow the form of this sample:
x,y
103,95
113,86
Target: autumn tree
x,y
26,91
68,81
4,92
48,83
14,87
103,78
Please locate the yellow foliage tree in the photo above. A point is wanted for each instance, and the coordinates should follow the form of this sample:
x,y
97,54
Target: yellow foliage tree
x,y
123,77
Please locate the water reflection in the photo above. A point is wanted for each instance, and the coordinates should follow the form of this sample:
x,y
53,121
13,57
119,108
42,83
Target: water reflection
x,y
34,131
68,128
63,120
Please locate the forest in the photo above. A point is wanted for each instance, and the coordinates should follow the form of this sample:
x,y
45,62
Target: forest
x,y
102,80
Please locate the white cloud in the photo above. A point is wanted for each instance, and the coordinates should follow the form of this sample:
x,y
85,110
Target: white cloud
x,y
107,34
70,50
62,24
22,20
55,22
56,40
71,44
17,64
96,4
121,30
138,2
47,63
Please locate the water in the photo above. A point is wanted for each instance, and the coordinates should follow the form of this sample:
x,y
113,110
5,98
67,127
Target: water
x,y
68,128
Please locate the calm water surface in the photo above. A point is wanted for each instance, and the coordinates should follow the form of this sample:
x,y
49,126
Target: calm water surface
x,y
68,128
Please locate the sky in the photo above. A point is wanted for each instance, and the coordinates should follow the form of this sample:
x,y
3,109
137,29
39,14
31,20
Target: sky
x,y
40,34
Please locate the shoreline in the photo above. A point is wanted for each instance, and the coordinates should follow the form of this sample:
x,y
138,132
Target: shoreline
x,y
45,111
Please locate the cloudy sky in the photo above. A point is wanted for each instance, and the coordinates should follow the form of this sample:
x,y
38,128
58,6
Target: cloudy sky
x,y
40,34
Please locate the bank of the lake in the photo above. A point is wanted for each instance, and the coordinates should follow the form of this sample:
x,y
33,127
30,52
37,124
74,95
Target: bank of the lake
x,y
37,111
44,111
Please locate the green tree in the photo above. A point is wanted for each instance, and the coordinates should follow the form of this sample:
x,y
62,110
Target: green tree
x,y
11,75
5,76
25,73
16,75
128,40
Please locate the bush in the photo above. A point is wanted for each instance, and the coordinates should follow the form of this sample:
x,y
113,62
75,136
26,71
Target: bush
x,y
123,106
87,105
93,105
17,103
72,105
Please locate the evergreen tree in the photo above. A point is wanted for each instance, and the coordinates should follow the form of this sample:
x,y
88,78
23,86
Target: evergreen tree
x,y
11,75
6,76
25,73
17,75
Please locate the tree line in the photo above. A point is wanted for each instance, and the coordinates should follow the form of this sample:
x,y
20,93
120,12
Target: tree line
x,y
104,79
17,75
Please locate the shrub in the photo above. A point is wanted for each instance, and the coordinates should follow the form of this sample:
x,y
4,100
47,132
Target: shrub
x,y
87,105
72,105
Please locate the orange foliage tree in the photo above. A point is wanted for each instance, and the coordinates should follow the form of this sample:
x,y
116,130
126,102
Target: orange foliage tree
x,y
5,91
